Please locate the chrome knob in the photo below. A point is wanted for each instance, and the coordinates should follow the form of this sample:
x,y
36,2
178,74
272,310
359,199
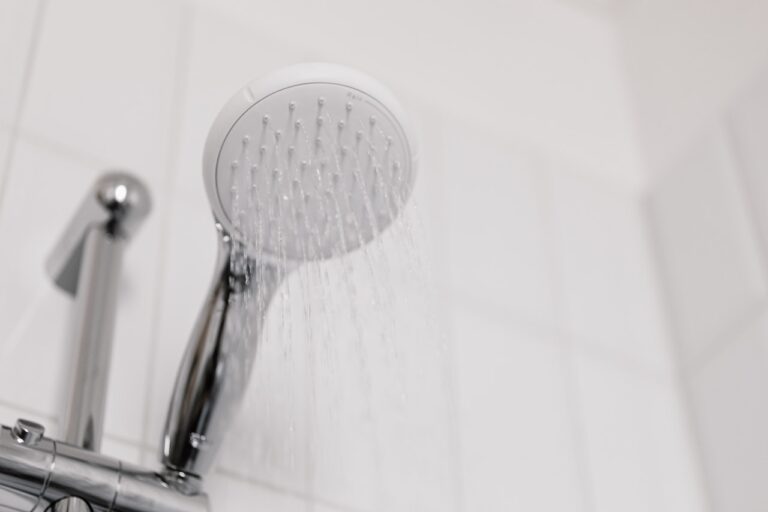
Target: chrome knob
x,y
28,432
70,504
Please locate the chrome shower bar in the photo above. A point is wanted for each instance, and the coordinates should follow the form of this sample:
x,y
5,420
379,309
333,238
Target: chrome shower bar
x,y
40,474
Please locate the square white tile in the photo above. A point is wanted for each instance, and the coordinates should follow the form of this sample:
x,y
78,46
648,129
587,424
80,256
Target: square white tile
x,y
494,223
606,269
17,30
223,55
517,438
639,450
230,494
45,188
105,87
731,413
708,257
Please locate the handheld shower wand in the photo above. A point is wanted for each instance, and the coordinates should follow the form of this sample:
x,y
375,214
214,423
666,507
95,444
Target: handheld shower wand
x,y
308,164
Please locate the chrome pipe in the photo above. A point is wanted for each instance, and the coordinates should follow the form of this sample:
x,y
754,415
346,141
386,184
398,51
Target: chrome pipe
x,y
40,474
95,308
86,263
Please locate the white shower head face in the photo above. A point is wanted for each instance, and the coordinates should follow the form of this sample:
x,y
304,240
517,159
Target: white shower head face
x,y
312,163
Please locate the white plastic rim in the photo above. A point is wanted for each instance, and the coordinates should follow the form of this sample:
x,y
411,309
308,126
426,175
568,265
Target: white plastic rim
x,y
328,133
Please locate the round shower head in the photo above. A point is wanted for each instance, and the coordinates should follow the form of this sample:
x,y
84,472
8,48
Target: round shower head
x,y
309,163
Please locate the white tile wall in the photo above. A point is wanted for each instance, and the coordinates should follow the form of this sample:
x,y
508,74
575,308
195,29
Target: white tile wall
x,y
639,449
748,129
235,494
114,76
34,313
518,447
685,62
731,414
606,271
496,248
537,372
710,242
708,252
17,23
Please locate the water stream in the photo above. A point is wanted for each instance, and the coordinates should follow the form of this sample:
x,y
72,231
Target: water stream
x,y
350,403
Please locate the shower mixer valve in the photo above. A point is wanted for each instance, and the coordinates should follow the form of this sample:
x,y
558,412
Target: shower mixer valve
x,y
308,164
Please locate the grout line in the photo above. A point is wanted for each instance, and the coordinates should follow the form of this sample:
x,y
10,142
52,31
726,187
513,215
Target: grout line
x,y
53,419
27,410
442,308
604,11
552,335
62,150
638,369
22,323
34,43
570,381
234,475
736,165
672,331
726,337
184,43
450,375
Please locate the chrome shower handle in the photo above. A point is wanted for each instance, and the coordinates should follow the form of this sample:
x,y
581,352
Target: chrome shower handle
x,y
216,366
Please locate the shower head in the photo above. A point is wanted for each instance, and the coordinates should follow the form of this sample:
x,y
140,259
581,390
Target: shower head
x,y
309,163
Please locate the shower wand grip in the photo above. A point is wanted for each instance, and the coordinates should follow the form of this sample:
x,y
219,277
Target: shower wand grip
x,y
216,367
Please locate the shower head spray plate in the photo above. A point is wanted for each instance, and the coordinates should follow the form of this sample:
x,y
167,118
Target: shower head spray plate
x,y
310,163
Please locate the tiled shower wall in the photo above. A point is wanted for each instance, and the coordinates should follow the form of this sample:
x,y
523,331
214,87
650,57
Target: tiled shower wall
x,y
574,296
709,217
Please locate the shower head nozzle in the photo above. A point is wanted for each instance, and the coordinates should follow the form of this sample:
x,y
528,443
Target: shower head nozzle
x,y
309,163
